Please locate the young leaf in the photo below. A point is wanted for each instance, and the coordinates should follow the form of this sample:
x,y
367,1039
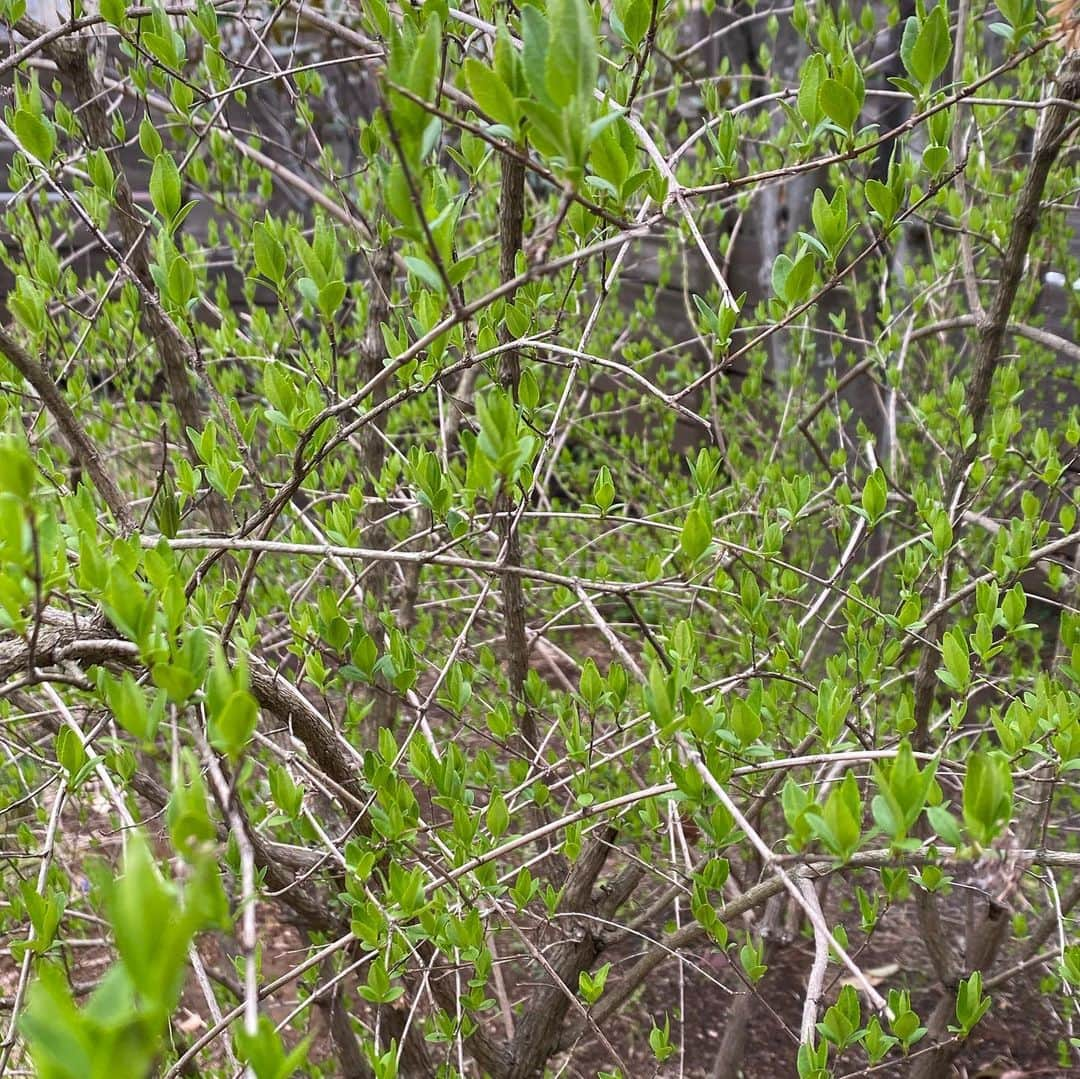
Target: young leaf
x,y
988,795
571,64
36,133
839,104
696,535
534,53
926,46
165,186
491,93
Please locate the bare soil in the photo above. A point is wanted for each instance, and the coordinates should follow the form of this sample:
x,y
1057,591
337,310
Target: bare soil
x,y
1019,1037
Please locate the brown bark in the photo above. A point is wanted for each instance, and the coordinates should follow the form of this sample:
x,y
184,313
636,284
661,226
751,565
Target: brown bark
x,y
540,1026
348,1057
511,225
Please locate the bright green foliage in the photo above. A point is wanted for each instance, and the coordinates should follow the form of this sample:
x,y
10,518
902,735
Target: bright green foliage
x,y
122,1026
837,823
841,1023
988,795
508,510
925,47
971,1005
904,789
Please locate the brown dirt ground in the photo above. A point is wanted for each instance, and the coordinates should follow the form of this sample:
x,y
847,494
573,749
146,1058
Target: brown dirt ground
x,y
1018,1038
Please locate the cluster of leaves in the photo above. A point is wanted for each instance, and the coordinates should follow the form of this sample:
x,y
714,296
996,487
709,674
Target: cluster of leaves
x,y
800,639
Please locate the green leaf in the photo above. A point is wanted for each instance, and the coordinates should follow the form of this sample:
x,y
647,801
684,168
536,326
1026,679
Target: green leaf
x,y
957,658
813,74
180,282
163,47
633,16
422,269
591,685
545,128
882,200
603,492
696,535
801,278
149,139
904,792
151,939
941,531
571,64
660,1041
424,69
502,439
233,712
70,752
60,1040
1014,606
745,721
988,795
534,52
591,986
658,697
498,814
114,12
17,471
830,219
875,496
101,172
839,104
935,158
128,703
330,298
234,724
379,14
508,61
907,45
781,270
840,1025
269,253
264,1052
399,197
839,823
792,278
27,304
187,816
926,46
833,708
379,989
945,825
491,93
288,795
971,1005
165,186
751,957
36,134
